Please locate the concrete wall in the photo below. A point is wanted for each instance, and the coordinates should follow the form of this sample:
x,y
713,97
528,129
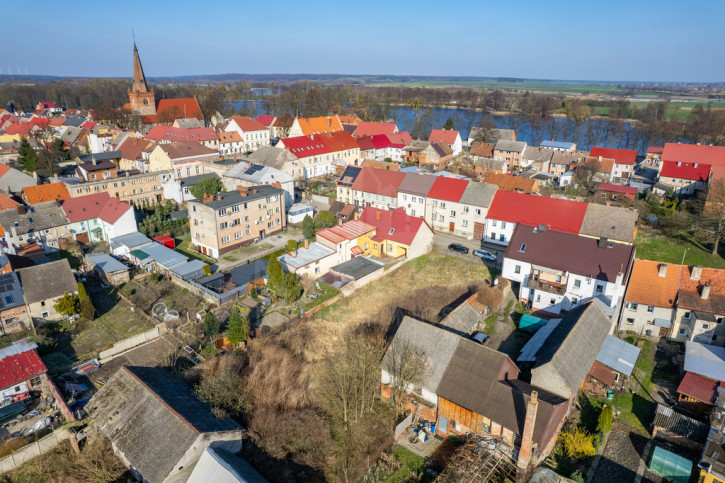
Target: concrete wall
x,y
126,344
36,448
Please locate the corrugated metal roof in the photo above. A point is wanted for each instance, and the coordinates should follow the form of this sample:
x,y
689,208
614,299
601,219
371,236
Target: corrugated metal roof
x,y
106,262
706,360
680,424
618,355
131,240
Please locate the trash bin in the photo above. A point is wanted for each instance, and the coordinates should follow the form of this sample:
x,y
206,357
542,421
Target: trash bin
x,y
610,394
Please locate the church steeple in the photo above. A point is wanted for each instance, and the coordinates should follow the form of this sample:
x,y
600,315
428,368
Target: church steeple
x,y
141,97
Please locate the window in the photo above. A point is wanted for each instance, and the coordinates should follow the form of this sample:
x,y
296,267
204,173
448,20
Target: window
x,y
317,270
453,214
538,297
687,315
502,238
494,223
705,326
599,289
493,235
517,269
523,247
391,231
683,331
631,306
577,283
650,308
558,279
8,299
465,209
629,321
552,302
441,217
464,223
574,300
238,235
503,224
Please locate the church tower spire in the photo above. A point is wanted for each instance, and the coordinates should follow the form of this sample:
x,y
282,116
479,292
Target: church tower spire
x,y
140,96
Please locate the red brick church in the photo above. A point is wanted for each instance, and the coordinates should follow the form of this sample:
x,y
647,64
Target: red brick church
x,y
152,111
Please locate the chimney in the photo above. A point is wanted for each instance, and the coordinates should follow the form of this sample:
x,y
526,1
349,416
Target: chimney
x,y
705,293
356,215
307,243
94,161
696,272
527,439
339,221
21,209
377,215
663,269
391,214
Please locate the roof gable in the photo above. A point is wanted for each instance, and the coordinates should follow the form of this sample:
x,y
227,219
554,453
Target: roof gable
x,y
247,124
379,181
394,225
556,214
18,363
685,170
98,205
620,156
448,189
444,136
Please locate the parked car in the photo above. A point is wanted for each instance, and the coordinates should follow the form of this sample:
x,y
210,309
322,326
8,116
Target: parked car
x,y
484,255
480,337
456,247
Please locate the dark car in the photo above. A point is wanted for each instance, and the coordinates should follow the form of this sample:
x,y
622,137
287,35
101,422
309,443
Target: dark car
x,y
456,247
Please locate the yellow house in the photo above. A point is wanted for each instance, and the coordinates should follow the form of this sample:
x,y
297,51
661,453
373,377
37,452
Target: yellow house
x,y
397,234
8,138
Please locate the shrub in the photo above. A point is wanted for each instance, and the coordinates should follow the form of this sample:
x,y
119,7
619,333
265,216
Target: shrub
x,y
578,477
209,351
68,304
154,277
408,459
206,270
604,423
291,245
577,443
254,293
238,327
211,325
224,390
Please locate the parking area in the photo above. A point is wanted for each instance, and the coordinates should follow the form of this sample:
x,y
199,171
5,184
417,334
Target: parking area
x,y
443,240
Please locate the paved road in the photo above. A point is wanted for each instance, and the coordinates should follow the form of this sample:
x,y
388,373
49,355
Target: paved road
x,y
442,240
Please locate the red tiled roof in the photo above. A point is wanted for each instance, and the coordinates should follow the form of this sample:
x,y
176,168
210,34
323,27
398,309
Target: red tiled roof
x,y
602,374
88,125
647,287
374,128
655,149
57,121
448,189
7,203
19,128
230,137
49,105
379,181
338,141
265,120
168,110
347,231
131,148
4,168
443,136
382,141
180,134
700,387
693,153
685,171
45,192
402,137
556,214
620,156
248,124
365,143
98,205
615,188
18,368
405,227
304,146
40,121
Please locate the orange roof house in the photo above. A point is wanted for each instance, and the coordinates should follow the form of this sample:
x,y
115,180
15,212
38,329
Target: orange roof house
x,y
42,193
516,184
7,203
315,125
653,283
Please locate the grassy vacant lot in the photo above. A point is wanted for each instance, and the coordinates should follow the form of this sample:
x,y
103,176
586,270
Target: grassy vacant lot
x,y
145,294
652,246
637,409
423,286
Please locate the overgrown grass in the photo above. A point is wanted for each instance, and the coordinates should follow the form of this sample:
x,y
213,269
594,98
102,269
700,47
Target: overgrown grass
x,y
327,293
637,409
670,250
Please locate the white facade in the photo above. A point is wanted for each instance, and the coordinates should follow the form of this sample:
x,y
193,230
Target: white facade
x,y
450,216
413,205
498,231
99,229
395,154
575,289
251,139
622,171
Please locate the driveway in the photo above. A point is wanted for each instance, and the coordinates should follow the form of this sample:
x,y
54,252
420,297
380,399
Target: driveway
x,y
442,240
246,254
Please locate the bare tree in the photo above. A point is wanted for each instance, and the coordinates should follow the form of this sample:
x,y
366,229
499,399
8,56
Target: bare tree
x,y
712,220
406,367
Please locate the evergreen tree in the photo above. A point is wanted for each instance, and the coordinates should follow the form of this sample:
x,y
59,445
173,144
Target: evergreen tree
x,y
27,157
324,219
88,311
448,126
211,325
238,328
293,289
308,227
275,276
67,305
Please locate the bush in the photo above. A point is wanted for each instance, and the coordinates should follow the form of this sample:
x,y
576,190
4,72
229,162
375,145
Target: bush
x,y
254,293
578,477
154,277
412,461
206,270
604,423
68,304
211,325
209,351
291,245
577,443
224,390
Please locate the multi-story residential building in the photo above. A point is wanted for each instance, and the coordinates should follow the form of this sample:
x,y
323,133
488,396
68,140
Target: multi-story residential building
x,y
651,299
230,220
96,170
43,285
475,202
561,162
373,187
183,159
693,155
537,159
390,146
230,142
132,188
248,175
700,313
364,129
268,122
342,146
44,224
313,155
623,161
254,134
450,137
558,271
443,212
135,153
684,178
314,125
345,193
614,223
98,217
206,136
509,209
413,192
510,151
280,159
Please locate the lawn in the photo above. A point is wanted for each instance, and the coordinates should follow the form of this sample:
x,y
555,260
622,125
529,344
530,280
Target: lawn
x,y
327,293
670,250
145,294
422,286
186,248
637,409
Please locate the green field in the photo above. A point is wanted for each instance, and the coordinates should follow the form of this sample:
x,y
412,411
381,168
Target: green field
x,y
670,250
554,87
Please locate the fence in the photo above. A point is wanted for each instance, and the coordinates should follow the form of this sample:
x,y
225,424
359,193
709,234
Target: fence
x,y
126,344
403,425
36,448
208,295
323,200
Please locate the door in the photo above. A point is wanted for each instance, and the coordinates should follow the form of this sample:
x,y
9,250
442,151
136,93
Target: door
x,y
663,332
83,237
451,226
261,234
478,230
442,424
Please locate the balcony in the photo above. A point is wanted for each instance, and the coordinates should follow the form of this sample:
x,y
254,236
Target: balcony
x,y
550,287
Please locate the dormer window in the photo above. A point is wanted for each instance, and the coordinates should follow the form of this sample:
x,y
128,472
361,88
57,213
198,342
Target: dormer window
x,y
523,247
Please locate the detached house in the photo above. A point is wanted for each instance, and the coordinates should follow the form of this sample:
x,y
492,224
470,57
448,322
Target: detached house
x,y
559,271
537,159
346,239
396,235
684,178
43,285
451,138
509,209
510,151
253,133
435,156
624,159
98,217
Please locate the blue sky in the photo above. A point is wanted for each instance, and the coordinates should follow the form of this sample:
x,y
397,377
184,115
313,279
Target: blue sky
x,y
640,40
